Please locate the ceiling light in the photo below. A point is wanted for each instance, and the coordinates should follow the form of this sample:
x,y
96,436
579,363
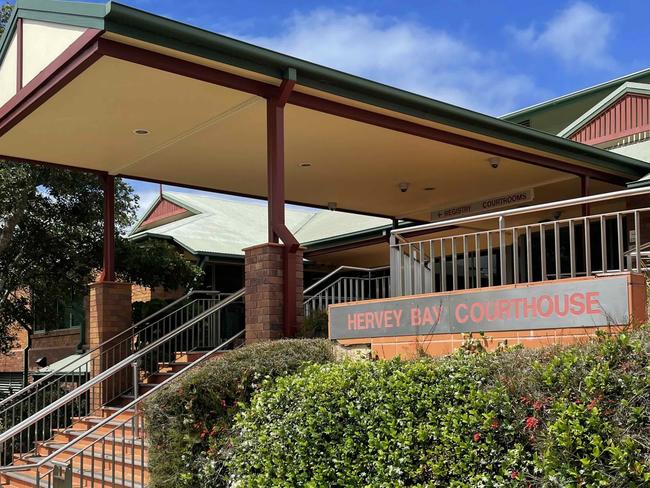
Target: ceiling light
x,y
141,132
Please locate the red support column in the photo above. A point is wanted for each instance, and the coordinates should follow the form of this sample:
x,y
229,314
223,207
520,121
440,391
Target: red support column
x,y
108,272
276,200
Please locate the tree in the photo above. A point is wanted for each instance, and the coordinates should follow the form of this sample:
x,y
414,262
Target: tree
x,y
51,238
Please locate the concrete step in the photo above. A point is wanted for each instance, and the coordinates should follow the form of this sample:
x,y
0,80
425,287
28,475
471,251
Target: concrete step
x,y
28,478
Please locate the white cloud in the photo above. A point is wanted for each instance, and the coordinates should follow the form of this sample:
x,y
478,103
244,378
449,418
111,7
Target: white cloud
x,y
403,54
580,35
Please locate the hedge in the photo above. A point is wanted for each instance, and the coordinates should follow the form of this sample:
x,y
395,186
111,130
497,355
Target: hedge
x,y
188,423
554,417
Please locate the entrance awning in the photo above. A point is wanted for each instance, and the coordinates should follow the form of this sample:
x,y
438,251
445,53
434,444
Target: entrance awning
x,y
112,89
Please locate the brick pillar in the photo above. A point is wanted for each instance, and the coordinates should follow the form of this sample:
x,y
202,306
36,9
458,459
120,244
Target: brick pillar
x,y
264,298
110,314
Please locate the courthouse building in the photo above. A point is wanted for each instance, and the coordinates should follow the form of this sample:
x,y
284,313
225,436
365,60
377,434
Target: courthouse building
x,y
428,221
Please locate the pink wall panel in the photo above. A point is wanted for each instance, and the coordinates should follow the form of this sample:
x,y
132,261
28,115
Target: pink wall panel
x,y
629,115
163,210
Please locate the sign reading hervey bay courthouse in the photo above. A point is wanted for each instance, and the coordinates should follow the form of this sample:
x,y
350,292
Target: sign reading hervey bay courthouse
x,y
600,301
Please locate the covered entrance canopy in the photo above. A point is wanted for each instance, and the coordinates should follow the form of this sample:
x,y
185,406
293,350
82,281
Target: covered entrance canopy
x,y
111,89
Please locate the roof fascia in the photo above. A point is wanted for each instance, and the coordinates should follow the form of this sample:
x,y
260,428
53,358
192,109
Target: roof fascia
x,y
148,234
605,103
144,217
346,238
182,203
573,95
639,183
137,24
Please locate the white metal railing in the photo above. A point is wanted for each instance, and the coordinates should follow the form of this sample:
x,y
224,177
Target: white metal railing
x,y
370,283
115,380
535,251
116,457
40,392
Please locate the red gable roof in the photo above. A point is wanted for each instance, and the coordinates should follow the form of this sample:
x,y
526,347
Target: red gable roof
x,y
163,210
629,115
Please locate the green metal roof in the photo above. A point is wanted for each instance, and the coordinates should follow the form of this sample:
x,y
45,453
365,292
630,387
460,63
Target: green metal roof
x,y
127,21
526,111
222,226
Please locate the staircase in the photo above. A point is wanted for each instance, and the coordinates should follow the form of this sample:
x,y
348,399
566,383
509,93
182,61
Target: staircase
x,y
93,434
347,284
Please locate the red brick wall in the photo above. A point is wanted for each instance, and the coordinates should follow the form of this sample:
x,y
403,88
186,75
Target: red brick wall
x,y
264,279
145,294
53,345
13,361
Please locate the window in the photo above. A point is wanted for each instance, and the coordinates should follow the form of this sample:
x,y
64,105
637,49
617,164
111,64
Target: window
x,y
64,312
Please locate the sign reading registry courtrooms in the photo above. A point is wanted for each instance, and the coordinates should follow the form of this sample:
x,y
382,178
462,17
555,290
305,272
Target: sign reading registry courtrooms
x,y
587,302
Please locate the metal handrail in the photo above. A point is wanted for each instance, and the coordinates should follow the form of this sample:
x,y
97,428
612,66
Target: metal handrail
x,y
53,407
87,354
342,268
129,406
524,210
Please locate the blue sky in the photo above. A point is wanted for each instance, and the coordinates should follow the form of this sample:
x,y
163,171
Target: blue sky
x,y
490,56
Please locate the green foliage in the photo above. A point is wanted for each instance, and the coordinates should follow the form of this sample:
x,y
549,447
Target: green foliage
x,y
154,263
315,325
5,13
142,310
378,424
555,417
188,424
51,230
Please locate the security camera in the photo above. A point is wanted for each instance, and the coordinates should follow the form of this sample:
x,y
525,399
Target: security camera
x,y
494,162
403,187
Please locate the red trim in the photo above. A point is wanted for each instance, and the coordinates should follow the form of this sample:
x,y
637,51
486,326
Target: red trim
x,y
36,95
276,201
399,125
184,68
76,58
108,272
54,165
19,67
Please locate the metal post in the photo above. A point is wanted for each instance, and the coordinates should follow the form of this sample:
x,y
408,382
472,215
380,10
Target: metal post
x,y
108,184
637,240
395,268
502,250
136,394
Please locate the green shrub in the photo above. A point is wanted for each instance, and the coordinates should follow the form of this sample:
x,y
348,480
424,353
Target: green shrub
x,y
315,325
577,416
188,423
388,423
